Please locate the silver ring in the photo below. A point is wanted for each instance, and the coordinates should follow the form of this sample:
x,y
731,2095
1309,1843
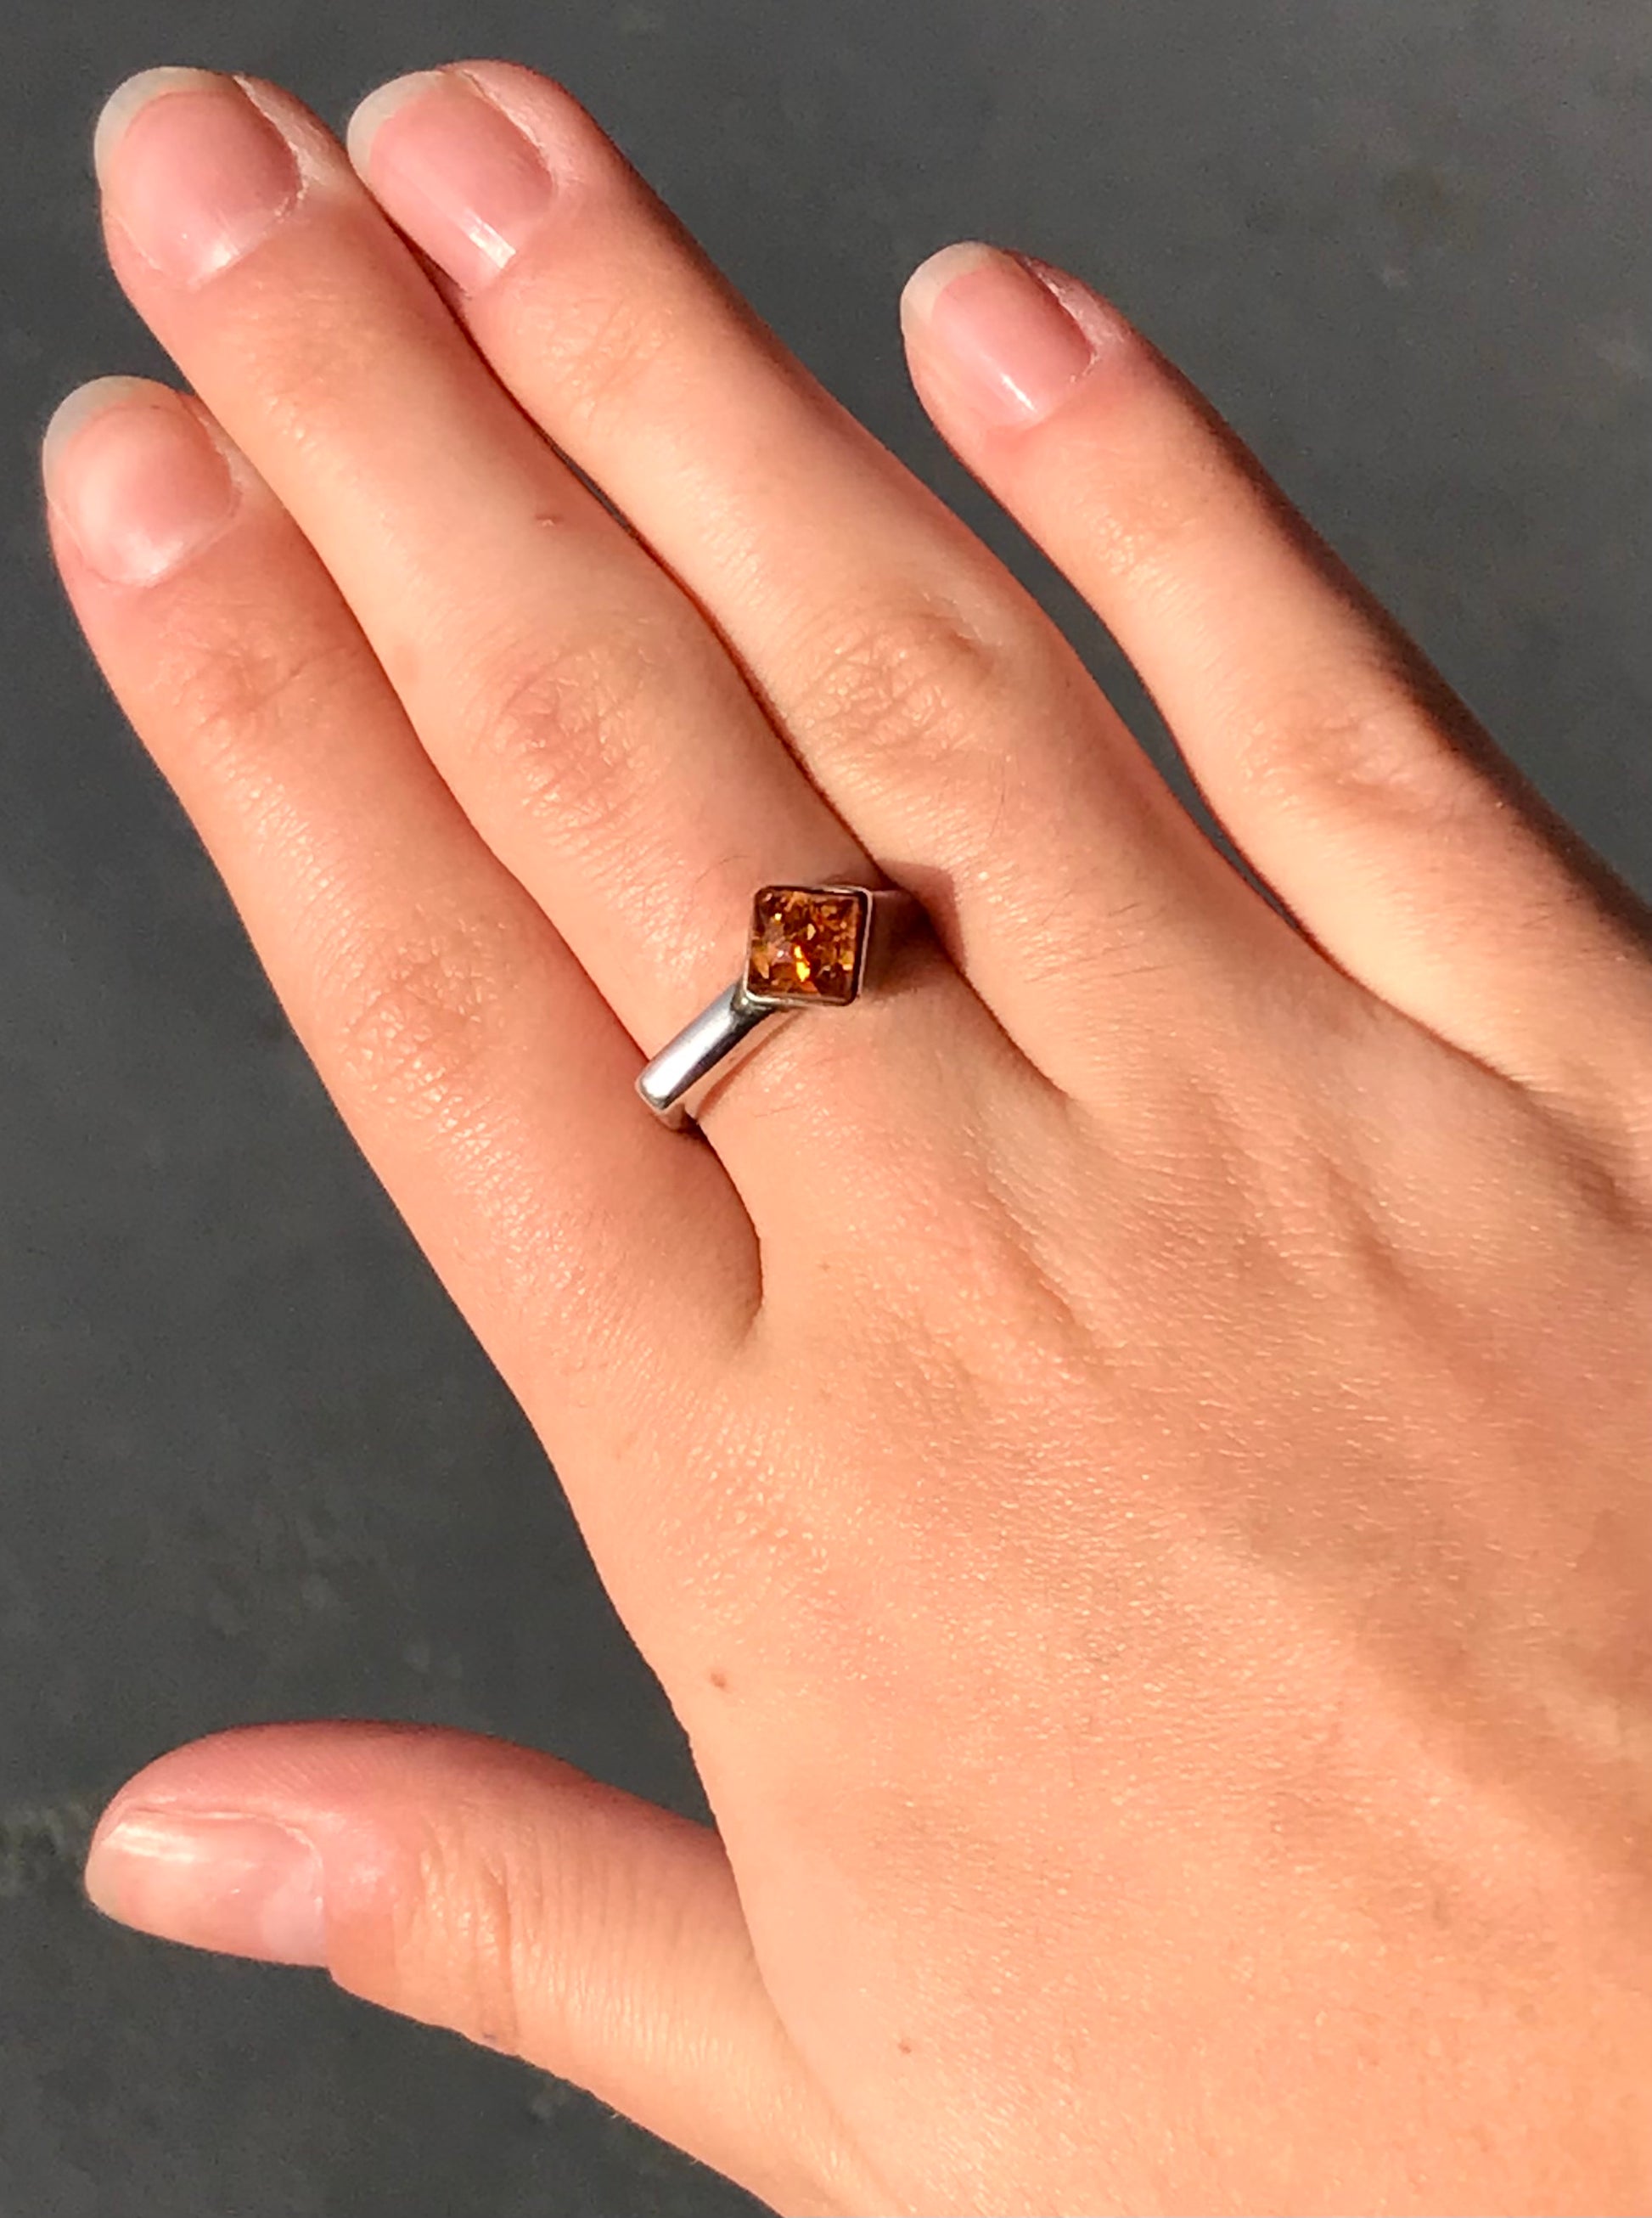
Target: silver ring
x,y
809,947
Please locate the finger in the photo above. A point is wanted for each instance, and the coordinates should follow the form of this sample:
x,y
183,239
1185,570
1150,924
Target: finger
x,y
1356,782
490,1889
574,700
482,1076
930,699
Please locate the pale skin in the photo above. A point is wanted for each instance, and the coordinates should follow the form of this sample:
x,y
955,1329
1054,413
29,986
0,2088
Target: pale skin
x,y
1128,1450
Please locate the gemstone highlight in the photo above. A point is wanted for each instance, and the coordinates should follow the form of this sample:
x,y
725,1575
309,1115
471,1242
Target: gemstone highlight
x,y
806,944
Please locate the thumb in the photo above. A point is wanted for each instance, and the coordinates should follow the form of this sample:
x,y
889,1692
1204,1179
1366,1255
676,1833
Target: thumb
x,y
483,1887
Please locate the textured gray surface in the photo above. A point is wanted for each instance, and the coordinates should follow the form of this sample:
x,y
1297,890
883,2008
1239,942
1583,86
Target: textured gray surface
x,y
252,1464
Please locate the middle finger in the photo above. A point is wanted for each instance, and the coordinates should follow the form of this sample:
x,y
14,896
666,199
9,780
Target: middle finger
x,y
931,698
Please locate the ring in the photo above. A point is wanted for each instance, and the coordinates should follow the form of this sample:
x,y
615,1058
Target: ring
x,y
809,947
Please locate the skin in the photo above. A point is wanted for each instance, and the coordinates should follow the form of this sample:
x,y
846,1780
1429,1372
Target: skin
x,y
1127,1450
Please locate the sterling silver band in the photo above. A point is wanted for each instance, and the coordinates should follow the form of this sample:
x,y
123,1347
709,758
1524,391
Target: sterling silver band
x,y
675,1083
680,1077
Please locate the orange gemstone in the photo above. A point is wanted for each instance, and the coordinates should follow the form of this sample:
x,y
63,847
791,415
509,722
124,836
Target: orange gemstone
x,y
806,944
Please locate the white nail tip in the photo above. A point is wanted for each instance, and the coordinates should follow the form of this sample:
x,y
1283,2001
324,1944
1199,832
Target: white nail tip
x,y
930,279
78,408
377,109
124,102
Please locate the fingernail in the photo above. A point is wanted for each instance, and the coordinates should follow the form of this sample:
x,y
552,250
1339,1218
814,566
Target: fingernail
x,y
193,173
453,171
133,478
1009,347
244,1885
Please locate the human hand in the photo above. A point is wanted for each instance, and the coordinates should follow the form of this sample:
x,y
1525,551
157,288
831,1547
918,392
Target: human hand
x,y
1127,1449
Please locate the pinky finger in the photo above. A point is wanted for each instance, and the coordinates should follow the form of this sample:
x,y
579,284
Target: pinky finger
x,y
1355,782
481,1886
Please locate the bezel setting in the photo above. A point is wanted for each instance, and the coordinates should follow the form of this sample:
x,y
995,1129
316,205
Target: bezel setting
x,y
806,946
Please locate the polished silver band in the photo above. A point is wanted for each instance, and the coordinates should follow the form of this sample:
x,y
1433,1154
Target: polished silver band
x,y
680,1077
677,1083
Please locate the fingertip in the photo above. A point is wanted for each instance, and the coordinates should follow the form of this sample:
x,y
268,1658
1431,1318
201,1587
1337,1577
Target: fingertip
x,y
373,112
1007,336
136,478
236,1884
132,95
77,408
930,279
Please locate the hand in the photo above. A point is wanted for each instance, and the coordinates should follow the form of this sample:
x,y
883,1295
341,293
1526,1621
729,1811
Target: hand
x,y
1127,1450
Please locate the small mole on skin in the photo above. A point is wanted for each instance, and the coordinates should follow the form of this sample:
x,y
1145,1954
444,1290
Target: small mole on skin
x,y
720,1679
904,2045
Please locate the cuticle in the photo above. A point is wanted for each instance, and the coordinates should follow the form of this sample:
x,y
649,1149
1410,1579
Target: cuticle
x,y
188,1814
524,130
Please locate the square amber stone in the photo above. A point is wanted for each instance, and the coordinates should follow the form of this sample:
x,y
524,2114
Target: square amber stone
x,y
806,946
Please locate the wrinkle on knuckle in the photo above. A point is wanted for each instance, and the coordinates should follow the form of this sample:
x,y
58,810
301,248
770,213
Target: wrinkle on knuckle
x,y
561,727
236,686
312,361
891,682
1139,523
319,331
464,1934
415,1010
598,347
1355,741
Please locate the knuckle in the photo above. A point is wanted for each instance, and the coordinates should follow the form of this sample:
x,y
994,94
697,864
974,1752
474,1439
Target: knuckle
x,y
599,346
415,1013
1356,742
1140,520
312,354
561,728
233,689
887,686
464,1936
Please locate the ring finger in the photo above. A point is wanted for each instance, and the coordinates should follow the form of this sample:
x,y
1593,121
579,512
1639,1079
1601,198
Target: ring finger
x,y
584,714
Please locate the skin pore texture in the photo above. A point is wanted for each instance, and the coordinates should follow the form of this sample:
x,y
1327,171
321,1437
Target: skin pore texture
x,y
1127,1449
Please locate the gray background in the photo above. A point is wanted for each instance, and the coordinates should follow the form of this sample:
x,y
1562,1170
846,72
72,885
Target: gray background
x,y
253,1465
